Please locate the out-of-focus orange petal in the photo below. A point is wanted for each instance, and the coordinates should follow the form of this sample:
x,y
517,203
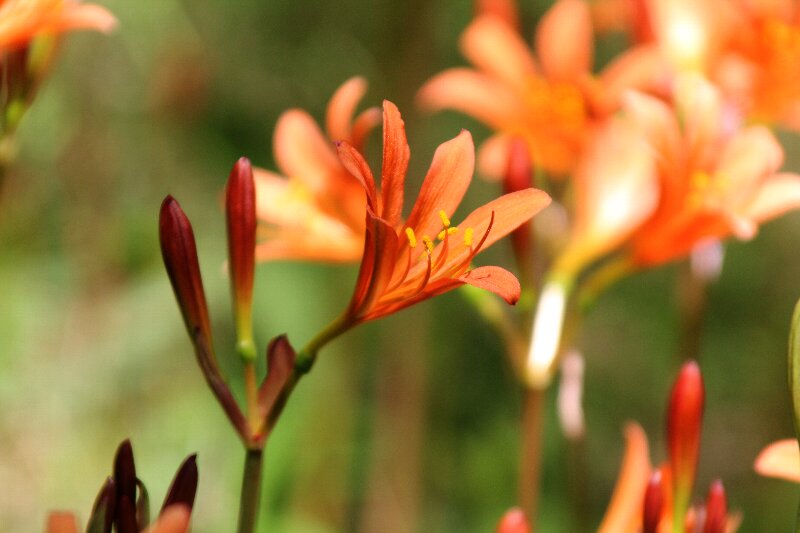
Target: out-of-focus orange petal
x,y
497,49
470,92
303,152
61,522
445,184
494,279
778,195
22,20
617,188
514,521
565,40
780,459
85,17
641,68
750,157
174,519
493,156
624,513
395,164
341,108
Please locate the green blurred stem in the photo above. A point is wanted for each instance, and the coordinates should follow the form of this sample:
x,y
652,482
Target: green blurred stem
x,y
531,461
794,380
692,300
251,491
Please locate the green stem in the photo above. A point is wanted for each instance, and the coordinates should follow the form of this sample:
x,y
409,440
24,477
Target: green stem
x,y
531,461
251,491
692,300
308,355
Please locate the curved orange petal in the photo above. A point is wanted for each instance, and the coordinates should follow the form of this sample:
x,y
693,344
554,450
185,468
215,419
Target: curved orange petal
x,y
505,214
497,49
565,40
624,513
356,165
505,10
445,184
341,108
303,152
473,93
640,68
494,279
85,17
395,164
780,459
377,267
363,124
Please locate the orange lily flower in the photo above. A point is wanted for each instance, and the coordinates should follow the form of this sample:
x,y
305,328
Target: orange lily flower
x,y
317,213
22,20
716,180
550,100
780,459
401,264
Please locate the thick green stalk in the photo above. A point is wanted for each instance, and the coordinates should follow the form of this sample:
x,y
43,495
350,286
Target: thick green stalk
x,y
251,491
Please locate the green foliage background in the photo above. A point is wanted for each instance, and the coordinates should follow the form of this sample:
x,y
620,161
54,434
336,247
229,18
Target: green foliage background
x,y
408,424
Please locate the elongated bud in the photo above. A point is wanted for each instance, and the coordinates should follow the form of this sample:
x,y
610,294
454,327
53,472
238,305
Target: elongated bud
x,y
519,176
653,503
180,258
716,508
546,337
514,521
125,481
272,393
240,211
184,486
102,516
684,424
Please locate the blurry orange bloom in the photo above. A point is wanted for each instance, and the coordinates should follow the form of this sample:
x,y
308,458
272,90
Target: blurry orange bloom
x,y
408,261
780,459
174,519
549,100
317,212
22,20
716,180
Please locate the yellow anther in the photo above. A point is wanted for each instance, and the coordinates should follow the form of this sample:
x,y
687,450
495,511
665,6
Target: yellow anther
x,y
412,239
449,231
445,220
468,237
428,243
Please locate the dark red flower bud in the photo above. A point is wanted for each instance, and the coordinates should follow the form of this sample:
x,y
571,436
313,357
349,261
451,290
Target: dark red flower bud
x,y
518,177
514,521
102,516
272,393
184,486
180,258
240,210
716,508
653,503
684,424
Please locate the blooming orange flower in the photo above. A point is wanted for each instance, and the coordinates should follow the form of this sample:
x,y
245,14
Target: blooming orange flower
x,y
716,180
317,213
402,264
780,459
550,100
22,20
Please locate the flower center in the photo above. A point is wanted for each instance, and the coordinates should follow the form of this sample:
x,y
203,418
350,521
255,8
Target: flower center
x,y
705,189
556,103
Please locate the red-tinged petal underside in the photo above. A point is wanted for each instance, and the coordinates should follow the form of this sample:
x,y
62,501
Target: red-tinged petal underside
x,y
341,109
780,459
301,151
377,266
395,164
356,165
494,279
624,513
498,50
478,95
565,41
445,184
